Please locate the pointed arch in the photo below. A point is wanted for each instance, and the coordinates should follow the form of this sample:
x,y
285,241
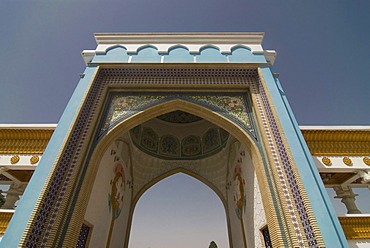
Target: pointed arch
x,y
174,172
102,145
169,106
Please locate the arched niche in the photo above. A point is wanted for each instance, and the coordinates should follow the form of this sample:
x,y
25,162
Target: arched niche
x,y
178,54
210,54
188,212
113,54
242,54
147,54
102,151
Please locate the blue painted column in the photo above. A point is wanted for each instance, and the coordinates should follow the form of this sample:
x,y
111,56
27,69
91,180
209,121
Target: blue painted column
x,y
323,210
26,205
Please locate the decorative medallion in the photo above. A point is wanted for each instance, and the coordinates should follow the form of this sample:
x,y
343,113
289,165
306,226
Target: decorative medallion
x,y
326,161
15,159
34,159
366,160
347,161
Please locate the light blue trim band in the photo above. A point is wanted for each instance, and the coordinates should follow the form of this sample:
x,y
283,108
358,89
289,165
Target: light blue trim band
x,y
29,199
326,218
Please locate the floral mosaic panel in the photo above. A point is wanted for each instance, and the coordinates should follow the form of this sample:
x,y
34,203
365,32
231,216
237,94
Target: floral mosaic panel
x,y
233,107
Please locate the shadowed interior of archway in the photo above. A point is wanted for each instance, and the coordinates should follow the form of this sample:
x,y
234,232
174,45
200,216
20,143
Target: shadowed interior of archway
x,y
179,211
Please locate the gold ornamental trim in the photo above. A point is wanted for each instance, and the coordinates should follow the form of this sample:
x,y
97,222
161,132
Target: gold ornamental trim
x,y
24,141
347,161
326,161
15,159
366,160
34,159
5,218
355,227
338,142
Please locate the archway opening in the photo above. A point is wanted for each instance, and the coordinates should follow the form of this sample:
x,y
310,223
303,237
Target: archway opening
x,y
179,211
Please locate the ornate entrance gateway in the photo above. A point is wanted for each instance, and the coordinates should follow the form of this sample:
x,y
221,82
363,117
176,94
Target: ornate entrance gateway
x,y
152,105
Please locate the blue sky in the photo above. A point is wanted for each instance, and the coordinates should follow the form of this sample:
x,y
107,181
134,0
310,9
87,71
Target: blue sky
x,y
322,46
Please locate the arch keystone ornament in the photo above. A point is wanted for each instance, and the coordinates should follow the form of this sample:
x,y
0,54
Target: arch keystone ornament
x,y
135,118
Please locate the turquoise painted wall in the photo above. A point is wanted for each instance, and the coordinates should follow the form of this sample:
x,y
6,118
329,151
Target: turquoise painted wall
x,y
28,201
327,220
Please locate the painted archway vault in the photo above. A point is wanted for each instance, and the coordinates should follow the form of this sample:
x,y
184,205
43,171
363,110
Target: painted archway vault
x,y
100,173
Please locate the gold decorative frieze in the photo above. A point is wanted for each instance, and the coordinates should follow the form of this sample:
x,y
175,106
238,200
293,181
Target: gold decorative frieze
x,y
356,227
24,141
366,160
5,218
347,161
34,159
14,159
338,142
326,161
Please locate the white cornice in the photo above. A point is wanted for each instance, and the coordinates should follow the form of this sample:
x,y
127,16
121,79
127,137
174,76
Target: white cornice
x,y
334,128
179,38
28,126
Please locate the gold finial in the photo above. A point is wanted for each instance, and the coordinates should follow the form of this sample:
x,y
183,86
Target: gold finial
x,y
347,161
326,161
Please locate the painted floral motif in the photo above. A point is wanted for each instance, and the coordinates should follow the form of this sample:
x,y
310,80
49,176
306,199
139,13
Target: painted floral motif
x,y
239,192
191,146
170,146
233,106
124,106
149,139
115,198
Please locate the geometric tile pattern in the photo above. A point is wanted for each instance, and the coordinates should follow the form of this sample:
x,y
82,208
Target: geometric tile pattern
x,y
168,146
266,237
274,138
82,239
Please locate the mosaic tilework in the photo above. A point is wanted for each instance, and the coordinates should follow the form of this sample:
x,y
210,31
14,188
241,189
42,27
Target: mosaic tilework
x,y
179,117
50,204
56,190
169,147
82,239
234,107
191,146
211,140
269,120
266,237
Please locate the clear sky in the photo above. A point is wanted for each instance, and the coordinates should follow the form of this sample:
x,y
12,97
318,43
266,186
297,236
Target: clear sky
x,y
322,46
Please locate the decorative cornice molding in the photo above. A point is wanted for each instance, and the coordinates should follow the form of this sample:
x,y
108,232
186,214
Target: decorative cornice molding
x,y
24,141
356,227
178,38
338,142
